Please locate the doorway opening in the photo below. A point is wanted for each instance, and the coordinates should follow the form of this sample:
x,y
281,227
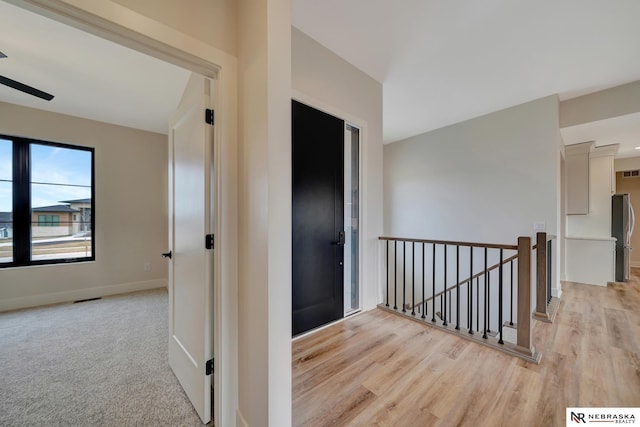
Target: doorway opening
x,y
325,218
147,45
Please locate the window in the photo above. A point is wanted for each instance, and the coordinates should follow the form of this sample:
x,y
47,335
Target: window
x,y
46,202
48,220
351,219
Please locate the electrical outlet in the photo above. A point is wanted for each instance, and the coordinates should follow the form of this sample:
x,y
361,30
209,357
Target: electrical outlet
x,y
147,266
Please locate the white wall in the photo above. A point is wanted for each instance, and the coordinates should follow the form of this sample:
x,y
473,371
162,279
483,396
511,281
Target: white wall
x,y
483,180
326,82
487,179
627,164
131,211
264,206
617,101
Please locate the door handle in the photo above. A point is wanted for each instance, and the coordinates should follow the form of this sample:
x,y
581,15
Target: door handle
x,y
166,255
340,241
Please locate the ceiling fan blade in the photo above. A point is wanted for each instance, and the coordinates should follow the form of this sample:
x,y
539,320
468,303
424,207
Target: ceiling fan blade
x,y
25,88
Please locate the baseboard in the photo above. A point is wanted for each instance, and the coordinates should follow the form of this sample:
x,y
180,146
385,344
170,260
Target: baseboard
x,y
635,264
240,421
79,294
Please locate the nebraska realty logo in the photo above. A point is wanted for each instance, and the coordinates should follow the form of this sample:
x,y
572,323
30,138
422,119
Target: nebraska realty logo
x,y
602,416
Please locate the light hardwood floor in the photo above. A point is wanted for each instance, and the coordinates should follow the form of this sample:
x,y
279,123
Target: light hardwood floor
x,y
378,369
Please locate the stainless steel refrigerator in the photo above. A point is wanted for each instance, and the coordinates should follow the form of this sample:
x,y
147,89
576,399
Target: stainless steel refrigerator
x,y
622,223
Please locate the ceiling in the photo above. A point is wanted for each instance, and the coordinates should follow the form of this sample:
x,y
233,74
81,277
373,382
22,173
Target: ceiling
x,y
443,61
622,130
440,62
88,76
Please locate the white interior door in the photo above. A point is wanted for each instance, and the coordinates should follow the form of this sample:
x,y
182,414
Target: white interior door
x,y
191,265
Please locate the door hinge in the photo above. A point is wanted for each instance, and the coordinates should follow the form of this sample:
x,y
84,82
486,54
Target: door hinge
x,y
209,367
208,116
209,241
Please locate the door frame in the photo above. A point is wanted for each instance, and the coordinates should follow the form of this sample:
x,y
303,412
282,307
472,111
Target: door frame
x,y
356,122
123,26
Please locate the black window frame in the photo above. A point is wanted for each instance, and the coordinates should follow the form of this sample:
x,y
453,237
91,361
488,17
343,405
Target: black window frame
x,y
22,210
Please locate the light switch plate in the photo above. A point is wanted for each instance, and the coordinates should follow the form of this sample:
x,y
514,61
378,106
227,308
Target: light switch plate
x,y
539,226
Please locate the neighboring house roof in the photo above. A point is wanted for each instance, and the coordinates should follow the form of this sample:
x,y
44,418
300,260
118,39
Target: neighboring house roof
x,y
6,217
56,208
76,201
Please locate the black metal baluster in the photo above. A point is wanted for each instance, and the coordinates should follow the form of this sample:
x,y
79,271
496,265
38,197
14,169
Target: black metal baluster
x,y
486,276
511,296
478,304
444,292
387,243
458,287
488,311
395,274
413,278
424,300
549,275
404,276
433,285
500,299
470,285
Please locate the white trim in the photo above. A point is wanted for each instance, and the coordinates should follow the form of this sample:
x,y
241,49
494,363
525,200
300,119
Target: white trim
x,y
604,151
79,294
635,264
119,24
597,239
335,322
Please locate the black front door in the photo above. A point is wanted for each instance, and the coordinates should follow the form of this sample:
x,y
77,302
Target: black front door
x,y
318,217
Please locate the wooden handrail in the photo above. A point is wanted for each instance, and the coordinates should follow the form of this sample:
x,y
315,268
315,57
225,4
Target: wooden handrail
x,y
452,243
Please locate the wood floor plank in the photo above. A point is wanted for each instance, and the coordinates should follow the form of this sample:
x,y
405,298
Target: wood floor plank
x,y
342,412
404,396
626,365
620,335
379,369
334,363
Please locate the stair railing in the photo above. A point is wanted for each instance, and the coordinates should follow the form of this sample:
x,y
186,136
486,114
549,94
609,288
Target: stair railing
x,y
433,278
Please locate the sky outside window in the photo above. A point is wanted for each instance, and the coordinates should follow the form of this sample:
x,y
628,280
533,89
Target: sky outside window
x,y
59,174
6,175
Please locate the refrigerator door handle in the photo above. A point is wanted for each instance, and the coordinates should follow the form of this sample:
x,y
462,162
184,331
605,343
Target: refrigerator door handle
x,y
633,221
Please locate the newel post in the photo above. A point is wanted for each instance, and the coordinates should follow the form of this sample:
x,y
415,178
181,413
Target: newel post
x,y
524,344
541,278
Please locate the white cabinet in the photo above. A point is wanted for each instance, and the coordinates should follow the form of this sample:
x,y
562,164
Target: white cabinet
x,y
589,247
577,178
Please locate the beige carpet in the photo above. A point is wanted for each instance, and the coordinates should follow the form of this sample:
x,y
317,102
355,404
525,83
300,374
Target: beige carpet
x,y
100,362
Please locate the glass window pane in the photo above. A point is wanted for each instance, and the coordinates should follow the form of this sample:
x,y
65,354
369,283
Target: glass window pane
x,y
6,201
351,219
47,197
60,203
57,165
6,222
6,160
